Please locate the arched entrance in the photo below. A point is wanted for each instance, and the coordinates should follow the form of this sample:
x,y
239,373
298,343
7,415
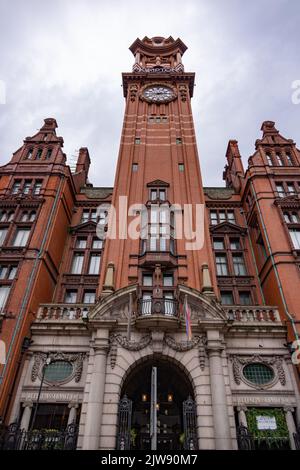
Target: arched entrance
x,y
176,417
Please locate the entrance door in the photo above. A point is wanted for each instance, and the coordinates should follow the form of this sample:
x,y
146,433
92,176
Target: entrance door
x,y
176,423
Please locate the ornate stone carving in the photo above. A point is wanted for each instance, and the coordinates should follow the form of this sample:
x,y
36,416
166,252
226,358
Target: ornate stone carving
x,y
133,92
238,363
39,359
113,352
202,351
183,92
131,345
182,346
75,358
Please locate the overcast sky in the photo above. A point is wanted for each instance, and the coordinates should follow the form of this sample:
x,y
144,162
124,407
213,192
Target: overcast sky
x,y
64,58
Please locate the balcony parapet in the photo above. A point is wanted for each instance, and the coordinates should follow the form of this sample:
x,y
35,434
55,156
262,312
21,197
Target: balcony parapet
x,y
64,312
251,314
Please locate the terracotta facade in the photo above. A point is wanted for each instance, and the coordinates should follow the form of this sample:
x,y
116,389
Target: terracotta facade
x,y
107,305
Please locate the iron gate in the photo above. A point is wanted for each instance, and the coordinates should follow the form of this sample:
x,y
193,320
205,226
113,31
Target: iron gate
x,y
124,430
189,424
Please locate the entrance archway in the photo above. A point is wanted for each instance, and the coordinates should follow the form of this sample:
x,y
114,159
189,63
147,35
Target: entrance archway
x,y
176,418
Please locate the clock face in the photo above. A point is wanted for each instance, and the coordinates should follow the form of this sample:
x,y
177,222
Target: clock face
x,y
158,94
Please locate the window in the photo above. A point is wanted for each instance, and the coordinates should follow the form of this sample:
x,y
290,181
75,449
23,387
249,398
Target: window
x,y
12,271
21,237
168,280
259,374
81,243
24,217
39,154
94,215
94,265
181,167
222,216
239,265
218,244
213,218
245,298
280,189
227,298
58,371
291,217
147,280
269,159
230,217
261,246
4,292
16,187
89,297
235,244
71,297
137,140
157,194
77,263
29,154
48,154
135,167
169,303
279,159
178,140
10,216
97,244
291,188
32,216
85,215
26,187
37,187
295,236
162,194
3,233
289,159
221,263
153,194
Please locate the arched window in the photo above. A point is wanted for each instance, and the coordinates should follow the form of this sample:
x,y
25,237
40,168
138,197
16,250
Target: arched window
x,y
32,216
39,154
24,216
48,154
29,154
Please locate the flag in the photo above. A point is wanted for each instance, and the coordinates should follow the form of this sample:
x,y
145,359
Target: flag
x,y
187,314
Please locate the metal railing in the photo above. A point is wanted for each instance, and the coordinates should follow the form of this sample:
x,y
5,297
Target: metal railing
x,y
167,307
14,438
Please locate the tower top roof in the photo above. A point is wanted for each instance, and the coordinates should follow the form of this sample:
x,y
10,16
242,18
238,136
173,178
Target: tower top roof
x,y
158,45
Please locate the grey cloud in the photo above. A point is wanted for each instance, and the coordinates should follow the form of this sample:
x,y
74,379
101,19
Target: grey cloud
x,y
64,59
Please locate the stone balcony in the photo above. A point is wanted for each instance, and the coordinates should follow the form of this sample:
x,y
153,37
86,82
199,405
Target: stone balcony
x,y
252,313
63,312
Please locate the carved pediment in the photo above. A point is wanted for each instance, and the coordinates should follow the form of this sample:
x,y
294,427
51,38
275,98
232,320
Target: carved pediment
x,y
227,227
158,183
85,227
202,307
114,306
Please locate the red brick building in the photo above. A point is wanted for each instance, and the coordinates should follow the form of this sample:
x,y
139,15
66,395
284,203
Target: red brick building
x,y
105,310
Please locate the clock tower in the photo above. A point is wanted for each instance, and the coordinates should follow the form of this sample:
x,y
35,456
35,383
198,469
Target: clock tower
x,y
158,166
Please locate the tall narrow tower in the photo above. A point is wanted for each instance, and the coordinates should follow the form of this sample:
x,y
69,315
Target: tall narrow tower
x,y
158,166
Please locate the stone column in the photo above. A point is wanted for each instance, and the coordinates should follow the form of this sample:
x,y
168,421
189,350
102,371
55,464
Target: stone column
x,y
96,392
291,425
218,392
242,416
26,415
72,415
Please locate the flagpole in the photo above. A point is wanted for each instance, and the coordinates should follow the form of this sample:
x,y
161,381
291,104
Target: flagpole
x,y
129,317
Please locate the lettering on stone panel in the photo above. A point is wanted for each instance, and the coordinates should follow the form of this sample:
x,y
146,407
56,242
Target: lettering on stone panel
x,y
261,400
